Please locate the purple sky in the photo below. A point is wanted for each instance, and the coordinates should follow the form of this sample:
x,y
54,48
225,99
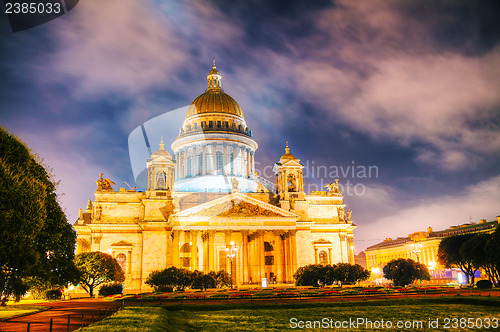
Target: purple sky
x,y
411,87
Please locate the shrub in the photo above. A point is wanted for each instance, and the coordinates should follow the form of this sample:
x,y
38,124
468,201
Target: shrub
x,y
332,292
372,290
52,294
484,284
110,289
241,295
264,294
196,296
219,296
165,289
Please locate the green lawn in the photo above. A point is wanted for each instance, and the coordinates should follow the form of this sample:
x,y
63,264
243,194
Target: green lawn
x,y
134,319
14,310
248,317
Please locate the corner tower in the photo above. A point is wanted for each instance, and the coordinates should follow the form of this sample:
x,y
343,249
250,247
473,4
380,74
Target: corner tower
x,y
160,170
214,144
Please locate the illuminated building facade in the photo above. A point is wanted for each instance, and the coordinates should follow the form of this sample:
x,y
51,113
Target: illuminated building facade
x,y
421,247
207,210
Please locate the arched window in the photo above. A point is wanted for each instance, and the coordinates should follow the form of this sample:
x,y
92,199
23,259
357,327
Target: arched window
x,y
268,246
122,261
292,183
200,163
220,163
323,257
161,180
189,166
185,255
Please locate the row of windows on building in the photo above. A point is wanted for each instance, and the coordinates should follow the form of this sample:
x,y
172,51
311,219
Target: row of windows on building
x,y
219,164
208,125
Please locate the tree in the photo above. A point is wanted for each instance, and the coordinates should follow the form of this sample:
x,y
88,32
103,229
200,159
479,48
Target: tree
x,y
164,279
405,271
449,255
36,238
202,281
341,272
179,279
474,250
345,272
222,278
307,275
358,273
322,275
492,251
96,268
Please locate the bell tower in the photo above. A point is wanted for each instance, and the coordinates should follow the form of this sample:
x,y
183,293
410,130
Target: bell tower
x,y
289,180
160,170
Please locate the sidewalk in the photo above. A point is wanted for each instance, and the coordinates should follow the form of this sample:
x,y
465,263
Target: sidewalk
x,y
66,316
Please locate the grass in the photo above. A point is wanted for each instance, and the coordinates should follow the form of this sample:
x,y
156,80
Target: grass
x,y
277,317
270,317
133,319
16,310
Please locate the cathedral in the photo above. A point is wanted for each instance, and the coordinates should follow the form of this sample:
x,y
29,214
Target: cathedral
x,y
206,209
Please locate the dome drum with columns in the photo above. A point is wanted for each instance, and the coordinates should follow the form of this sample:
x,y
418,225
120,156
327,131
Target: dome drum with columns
x,y
214,143
205,199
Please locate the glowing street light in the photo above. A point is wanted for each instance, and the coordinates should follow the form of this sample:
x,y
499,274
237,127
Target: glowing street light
x,y
231,254
416,249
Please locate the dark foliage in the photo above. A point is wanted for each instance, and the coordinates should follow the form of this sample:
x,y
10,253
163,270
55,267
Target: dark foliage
x,y
110,289
52,294
405,271
450,255
320,275
36,239
173,278
484,284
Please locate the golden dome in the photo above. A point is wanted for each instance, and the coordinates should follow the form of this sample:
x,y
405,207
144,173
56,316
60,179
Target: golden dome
x,y
287,155
214,100
214,71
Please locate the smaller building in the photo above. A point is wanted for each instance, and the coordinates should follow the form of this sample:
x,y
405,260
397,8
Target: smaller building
x,y
421,247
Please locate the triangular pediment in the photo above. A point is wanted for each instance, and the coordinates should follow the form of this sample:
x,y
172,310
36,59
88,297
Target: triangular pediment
x,y
236,205
292,163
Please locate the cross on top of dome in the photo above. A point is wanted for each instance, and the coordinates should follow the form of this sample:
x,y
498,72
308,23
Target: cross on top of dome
x,y
287,154
214,78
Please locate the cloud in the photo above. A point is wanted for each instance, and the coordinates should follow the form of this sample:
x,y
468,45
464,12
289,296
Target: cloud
x,y
384,74
478,201
122,47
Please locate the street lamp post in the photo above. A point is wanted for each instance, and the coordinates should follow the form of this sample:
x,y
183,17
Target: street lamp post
x,y
231,254
416,250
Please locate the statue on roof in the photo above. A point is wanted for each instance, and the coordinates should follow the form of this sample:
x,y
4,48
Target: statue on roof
x,y
104,184
341,213
235,183
333,188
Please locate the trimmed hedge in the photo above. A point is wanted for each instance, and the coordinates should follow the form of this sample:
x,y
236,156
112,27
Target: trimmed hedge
x,y
110,289
484,284
52,294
